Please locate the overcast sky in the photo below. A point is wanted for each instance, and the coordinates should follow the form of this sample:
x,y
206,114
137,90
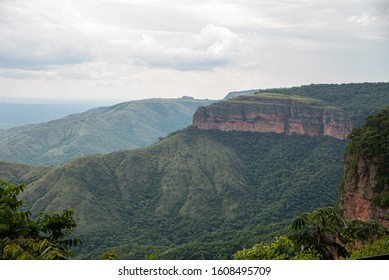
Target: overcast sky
x,y
135,49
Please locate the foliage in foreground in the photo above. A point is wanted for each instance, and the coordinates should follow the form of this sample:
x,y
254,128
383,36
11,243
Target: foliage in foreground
x,y
376,248
282,248
322,234
322,230
46,238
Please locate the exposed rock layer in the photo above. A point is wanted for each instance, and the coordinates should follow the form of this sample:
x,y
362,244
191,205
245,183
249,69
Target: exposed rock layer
x,y
359,193
274,113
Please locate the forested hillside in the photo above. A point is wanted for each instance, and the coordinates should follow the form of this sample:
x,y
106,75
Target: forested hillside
x,y
123,126
195,194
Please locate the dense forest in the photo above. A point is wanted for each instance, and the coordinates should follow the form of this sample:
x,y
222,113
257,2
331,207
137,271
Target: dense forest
x,y
248,185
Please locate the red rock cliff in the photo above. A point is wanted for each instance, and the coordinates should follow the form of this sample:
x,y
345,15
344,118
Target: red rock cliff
x,y
359,193
274,113
365,188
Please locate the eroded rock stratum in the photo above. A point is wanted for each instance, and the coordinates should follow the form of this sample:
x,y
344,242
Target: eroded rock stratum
x,y
274,113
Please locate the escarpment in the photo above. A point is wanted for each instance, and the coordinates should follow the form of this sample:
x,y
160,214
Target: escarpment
x,y
274,113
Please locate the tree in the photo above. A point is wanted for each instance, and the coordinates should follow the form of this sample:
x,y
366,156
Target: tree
x,y
281,249
322,230
366,238
21,237
109,255
362,232
378,247
322,234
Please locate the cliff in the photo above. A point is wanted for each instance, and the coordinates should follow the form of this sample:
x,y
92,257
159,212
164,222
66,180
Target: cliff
x,y
365,189
274,113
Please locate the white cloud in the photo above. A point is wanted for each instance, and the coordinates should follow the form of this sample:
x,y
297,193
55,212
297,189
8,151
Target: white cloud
x,y
213,47
217,40
31,39
138,45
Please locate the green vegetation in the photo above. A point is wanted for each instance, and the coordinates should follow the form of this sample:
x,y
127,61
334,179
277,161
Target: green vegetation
x,y
357,100
203,195
376,248
124,126
282,248
253,99
248,185
137,124
320,231
322,234
371,140
370,143
265,101
46,237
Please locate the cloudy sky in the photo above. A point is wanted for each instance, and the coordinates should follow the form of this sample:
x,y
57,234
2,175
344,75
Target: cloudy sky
x,y
135,49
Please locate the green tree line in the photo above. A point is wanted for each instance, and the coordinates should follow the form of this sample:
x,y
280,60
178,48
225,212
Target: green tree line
x,y
322,234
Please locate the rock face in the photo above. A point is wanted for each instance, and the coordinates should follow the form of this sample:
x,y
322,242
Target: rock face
x,y
360,193
274,113
365,188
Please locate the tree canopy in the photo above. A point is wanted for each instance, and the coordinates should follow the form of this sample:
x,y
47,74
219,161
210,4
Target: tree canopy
x,y
321,230
46,237
322,234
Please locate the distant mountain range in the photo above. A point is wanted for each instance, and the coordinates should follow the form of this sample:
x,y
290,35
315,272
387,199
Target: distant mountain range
x,y
135,124
124,126
17,111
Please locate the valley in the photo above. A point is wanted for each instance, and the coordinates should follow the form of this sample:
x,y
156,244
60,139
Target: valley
x,y
197,192
154,200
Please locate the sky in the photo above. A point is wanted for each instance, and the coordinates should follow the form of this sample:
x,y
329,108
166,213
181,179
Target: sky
x,y
136,49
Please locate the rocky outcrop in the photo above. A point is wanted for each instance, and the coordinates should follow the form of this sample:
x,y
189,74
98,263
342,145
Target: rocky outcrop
x,y
365,188
360,196
274,113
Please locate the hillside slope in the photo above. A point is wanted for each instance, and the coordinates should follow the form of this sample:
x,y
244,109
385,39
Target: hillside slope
x,y
194,194
123,126
16,173
20,111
